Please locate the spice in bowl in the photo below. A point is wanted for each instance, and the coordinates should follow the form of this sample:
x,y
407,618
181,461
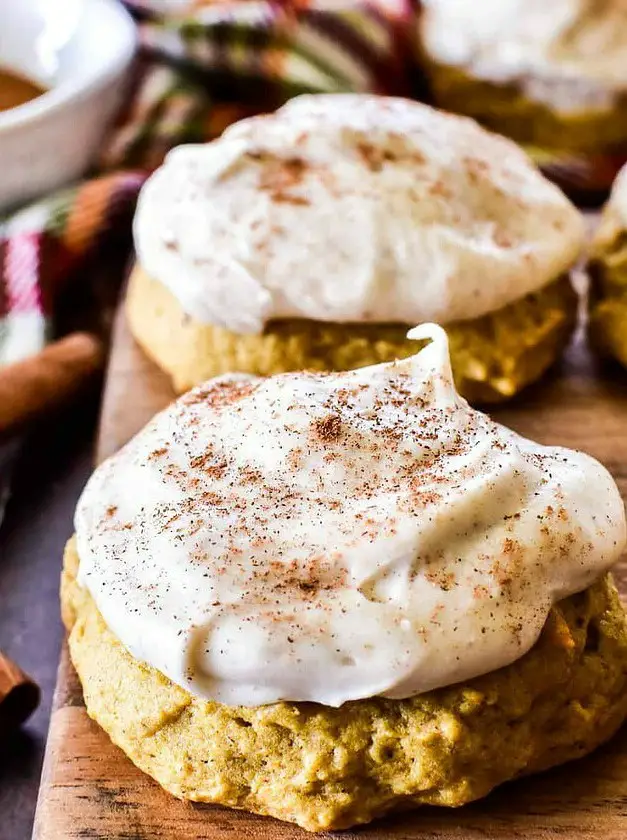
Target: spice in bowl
x,y
16,89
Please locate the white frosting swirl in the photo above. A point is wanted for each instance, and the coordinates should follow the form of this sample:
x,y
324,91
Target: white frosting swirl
x,y
352,208
569,54
329,537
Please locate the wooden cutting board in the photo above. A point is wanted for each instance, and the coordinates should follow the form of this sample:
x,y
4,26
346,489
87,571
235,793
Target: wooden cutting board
x,y
91,791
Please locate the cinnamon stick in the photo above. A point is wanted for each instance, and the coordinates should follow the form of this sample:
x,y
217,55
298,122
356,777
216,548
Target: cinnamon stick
x,y
19,695
31,387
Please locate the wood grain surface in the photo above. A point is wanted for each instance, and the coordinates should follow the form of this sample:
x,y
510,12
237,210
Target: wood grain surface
x,y
91,791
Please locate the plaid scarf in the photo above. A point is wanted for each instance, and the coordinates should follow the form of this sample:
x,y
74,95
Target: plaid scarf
x,y
201,66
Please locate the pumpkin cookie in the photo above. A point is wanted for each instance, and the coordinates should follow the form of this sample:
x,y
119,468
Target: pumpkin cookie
x,y
315,236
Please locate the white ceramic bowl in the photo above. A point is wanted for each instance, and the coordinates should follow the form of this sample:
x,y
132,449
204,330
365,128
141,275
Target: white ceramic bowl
x,y
81,51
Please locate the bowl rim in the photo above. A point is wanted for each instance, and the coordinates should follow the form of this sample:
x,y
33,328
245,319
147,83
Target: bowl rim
x,y
74,89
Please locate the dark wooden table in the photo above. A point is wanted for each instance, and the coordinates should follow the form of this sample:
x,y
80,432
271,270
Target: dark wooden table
x,y
51,471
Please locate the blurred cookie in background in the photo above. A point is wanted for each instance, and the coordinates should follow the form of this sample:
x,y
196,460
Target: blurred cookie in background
x,y
550,75
608,276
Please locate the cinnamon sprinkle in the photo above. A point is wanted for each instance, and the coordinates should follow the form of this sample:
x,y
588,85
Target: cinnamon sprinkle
x,y
327,429
219,394
158,453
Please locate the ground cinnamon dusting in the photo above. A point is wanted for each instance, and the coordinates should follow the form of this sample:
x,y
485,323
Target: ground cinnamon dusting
x,y
158,453
280,176
219,394
327,429
366,463
289,198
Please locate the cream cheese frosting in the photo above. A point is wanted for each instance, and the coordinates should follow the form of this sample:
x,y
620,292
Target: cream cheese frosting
x,y
329,537
569,54
349,208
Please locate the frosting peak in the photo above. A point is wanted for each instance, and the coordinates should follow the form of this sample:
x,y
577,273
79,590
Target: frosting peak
x,y
352,208
328,537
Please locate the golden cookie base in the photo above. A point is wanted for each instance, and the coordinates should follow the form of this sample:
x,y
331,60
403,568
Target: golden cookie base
x,y
326,768
493,357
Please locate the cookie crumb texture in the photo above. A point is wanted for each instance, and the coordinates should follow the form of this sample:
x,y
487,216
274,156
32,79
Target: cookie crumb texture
x,y
493,357
326,768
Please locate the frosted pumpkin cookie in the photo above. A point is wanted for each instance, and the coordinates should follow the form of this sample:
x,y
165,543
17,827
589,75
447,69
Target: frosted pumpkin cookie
x,y
325,597
312,237
608,274
548,74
